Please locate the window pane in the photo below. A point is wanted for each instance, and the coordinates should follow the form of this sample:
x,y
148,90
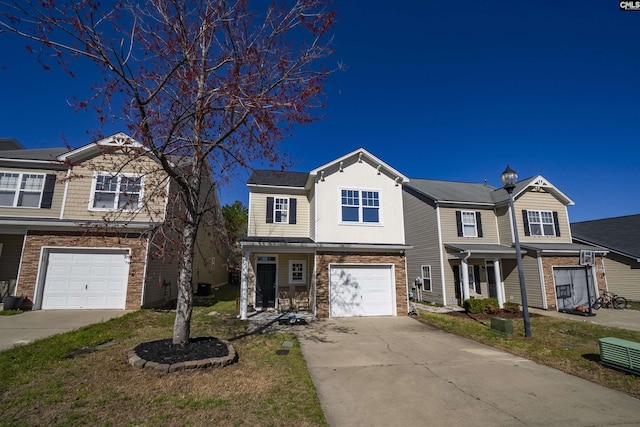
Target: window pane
x,y
370,198
30,200
370,215
106,183
534,216
130,185
6,198
469,230
32,182
9,181
349,214
128,201
350,197
549,230
536,230
104,200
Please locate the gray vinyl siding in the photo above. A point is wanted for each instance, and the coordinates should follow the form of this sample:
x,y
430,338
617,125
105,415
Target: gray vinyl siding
x,y
421,232
504,225
56,202
623,276
10,255
531,279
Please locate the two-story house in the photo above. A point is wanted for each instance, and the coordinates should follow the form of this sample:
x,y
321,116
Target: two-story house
x,y
330,241
463,244
85,228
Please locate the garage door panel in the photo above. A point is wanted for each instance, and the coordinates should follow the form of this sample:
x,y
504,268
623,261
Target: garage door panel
x,y
85,279
361,291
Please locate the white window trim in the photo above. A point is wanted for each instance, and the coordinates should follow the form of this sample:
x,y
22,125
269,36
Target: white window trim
x,y
275,203
304,272
119,175
553,224
424,289
475,223
17,190
360,222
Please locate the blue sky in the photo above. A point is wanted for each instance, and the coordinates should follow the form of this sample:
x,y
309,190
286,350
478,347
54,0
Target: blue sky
x,y
440,90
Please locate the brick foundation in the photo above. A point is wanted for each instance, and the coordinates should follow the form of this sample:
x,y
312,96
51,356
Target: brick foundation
x,y
36,240
323,259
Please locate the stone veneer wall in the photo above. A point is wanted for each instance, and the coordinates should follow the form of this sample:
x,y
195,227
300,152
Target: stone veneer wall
x,y
566,261
323,259
35,240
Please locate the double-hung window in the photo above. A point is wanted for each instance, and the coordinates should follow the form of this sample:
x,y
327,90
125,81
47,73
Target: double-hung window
x,y
297,271
361,206
469,224
116,192
281,210
541,223
426,278
21,189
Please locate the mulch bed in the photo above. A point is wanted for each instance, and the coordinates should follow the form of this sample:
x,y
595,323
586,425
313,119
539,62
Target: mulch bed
x,y
485,317
165,352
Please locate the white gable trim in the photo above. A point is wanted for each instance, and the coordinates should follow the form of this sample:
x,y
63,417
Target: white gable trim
x,y
361,152
541,182
119,139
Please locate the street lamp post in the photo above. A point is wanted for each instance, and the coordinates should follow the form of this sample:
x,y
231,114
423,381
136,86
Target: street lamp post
x,y
508,178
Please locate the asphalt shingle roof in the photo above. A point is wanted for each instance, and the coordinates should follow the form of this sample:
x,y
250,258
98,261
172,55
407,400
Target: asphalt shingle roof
x,y
278,178
452,191
46,154
620,234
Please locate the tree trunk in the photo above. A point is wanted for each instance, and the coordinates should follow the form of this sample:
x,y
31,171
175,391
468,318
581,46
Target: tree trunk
x,y
182,324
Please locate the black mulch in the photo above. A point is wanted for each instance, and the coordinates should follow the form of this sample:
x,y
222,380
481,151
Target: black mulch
x,y
164,351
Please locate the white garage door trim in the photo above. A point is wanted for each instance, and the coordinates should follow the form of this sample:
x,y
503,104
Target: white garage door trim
x,y
83,278
362,290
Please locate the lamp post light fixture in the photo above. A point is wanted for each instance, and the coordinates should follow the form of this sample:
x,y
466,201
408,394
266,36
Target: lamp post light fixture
x,y
509,178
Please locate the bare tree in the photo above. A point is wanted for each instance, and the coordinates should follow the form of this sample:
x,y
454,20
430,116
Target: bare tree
x,y
204,85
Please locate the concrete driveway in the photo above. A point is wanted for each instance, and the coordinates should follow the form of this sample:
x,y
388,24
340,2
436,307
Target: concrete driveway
x,y
397,371
32,325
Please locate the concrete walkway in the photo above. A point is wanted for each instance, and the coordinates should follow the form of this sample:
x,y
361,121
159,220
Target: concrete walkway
x,y
397,371
624,319
32,325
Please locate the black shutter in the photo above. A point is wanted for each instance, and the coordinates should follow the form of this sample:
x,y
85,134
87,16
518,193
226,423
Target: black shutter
x,y
269,210
459,222
479,223
476,274
525,220
47,193
292,210
556,223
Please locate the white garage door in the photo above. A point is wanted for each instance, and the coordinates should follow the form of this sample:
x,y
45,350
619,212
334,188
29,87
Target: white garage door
x,y
361,291
79,279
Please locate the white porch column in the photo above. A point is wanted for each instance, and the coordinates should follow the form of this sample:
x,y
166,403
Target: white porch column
x,y
497,277
465,279
244,285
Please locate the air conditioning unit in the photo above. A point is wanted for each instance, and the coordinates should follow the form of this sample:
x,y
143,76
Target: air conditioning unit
x,y
620,354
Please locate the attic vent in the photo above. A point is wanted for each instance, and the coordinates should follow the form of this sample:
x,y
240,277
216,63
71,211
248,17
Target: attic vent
x,y
621,354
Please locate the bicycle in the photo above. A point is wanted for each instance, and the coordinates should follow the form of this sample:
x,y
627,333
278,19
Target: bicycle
x,y
608,299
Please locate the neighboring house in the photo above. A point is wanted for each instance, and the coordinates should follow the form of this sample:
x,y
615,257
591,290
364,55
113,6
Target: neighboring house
x,y
85,228
462,240
330,241
621,237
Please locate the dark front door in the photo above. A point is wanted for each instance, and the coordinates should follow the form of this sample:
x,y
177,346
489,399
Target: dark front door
x,y
491,280
266,286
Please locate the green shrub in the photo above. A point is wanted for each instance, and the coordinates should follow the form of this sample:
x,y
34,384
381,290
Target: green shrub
x,y
482,305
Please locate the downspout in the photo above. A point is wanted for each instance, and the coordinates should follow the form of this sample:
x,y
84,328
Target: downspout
x,y
64,196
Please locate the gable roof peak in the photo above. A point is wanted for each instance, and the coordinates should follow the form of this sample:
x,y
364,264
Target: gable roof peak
x,y
362,153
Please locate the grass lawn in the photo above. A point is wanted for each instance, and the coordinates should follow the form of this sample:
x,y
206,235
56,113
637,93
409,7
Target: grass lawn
x,y
569,346
42,385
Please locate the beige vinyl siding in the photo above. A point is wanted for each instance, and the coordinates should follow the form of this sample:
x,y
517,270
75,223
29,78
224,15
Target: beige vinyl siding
x,y
531,279
10,255
56,203
542,201
80,187
503,215
258,225
450,227
623,276
421,232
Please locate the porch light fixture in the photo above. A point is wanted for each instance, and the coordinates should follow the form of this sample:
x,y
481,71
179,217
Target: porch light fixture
x,y
509,178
